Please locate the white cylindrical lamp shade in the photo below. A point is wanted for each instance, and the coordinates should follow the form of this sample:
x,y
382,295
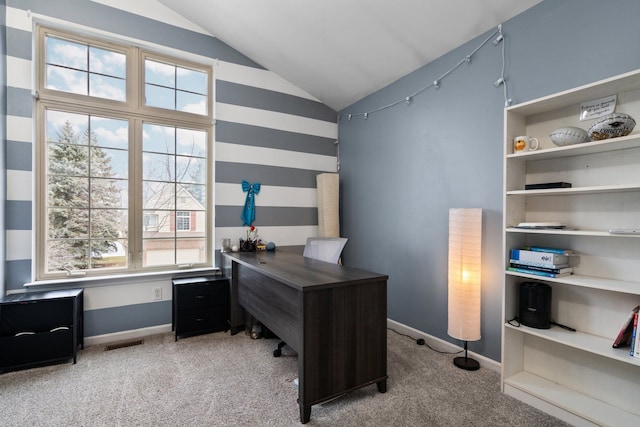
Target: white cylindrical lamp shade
x,y
328,186
465,262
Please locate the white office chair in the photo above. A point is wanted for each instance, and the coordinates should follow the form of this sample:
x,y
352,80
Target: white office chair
x,y
326,249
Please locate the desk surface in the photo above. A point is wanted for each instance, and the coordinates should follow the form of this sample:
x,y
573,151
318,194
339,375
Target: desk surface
x,y
303,273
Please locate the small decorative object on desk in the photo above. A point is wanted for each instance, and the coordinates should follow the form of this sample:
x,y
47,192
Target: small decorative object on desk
x,y
612,126
251,242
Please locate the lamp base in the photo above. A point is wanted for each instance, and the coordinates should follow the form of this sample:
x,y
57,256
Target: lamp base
x,y
466,363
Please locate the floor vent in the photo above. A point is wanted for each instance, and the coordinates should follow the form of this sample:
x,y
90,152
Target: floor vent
x,y
123,344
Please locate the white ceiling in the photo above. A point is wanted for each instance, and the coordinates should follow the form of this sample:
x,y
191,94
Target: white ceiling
x,y
340,51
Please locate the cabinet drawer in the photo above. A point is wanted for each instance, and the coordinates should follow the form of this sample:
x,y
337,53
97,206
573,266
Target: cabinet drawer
x,y
35,348
37,316
200,296
201,319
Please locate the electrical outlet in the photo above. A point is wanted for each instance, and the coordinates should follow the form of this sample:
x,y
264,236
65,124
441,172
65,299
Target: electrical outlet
x,y
157,294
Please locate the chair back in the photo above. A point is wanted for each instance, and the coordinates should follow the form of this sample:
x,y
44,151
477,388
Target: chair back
x,y
326,249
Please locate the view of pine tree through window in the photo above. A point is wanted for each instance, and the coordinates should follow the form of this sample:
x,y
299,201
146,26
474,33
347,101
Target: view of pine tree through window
x,y
86,191
123,155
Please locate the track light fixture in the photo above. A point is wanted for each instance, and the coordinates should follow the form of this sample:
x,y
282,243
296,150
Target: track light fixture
x,y
436,84
497,40
498,82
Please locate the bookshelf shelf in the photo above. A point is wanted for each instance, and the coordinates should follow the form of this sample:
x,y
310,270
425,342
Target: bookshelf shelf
x,y
611,285
541,392
545,367
577,190
585,342
565,232
593,147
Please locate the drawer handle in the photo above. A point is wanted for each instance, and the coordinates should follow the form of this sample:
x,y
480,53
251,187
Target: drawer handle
x,y
199,320
201,296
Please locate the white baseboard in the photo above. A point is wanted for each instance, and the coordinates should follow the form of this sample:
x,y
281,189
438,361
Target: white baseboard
x,y
126,335
441,344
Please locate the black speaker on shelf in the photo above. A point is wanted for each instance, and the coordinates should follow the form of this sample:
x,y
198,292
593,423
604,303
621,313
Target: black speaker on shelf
x,y
535,305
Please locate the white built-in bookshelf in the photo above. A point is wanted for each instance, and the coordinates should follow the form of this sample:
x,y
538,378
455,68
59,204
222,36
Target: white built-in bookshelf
x,y
576,376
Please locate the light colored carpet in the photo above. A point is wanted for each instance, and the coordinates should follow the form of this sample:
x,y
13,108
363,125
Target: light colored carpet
x,y
223,380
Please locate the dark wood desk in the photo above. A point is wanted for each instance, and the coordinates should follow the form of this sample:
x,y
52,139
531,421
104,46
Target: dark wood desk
x,y
334,317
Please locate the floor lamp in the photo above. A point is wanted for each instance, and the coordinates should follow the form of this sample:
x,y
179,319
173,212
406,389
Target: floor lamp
x,y
465,260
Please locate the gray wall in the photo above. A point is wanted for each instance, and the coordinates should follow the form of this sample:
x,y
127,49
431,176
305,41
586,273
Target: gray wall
x,y
403,168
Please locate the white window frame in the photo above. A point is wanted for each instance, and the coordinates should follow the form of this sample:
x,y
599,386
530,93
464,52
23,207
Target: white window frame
x,y
133,110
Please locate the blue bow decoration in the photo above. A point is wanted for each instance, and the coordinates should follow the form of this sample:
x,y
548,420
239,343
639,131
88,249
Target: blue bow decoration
x,y
249,210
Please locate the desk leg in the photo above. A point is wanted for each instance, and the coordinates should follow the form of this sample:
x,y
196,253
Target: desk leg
x,y
382,386
305,414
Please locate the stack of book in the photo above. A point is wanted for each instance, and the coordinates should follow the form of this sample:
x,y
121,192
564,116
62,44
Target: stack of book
x,y
541,261
629,334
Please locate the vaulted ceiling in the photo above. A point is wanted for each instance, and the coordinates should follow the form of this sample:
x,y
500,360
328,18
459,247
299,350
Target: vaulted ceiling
x,y
340,51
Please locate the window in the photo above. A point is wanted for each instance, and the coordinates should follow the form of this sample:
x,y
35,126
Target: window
x,y
183,221
123,176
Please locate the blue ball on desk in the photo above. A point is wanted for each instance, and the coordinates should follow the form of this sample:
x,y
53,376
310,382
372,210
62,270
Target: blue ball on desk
x,y
271,246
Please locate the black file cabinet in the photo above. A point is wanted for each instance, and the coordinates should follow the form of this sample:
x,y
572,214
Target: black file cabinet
x,y
200,305
40,328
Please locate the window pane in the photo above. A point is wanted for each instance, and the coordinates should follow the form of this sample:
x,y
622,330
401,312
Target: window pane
x,y
191,103
174,189
109,163
68,191
85,70
176,88
66,53
191,170
158,195
110,133
157,252
160,74
81,174
108,225
191,251
67,255
65,223
191,81
107,62
67,80
107,87
114,254
68,159
159,139
191,142
161,97
109,193
158,167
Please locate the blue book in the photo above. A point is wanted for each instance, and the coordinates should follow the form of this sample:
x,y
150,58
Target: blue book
x,y
550,250
539,257
537,272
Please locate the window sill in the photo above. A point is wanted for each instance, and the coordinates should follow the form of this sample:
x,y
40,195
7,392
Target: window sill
x,y
75,282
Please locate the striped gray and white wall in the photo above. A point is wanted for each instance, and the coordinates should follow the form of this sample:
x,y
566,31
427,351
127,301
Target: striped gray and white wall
x,y
266,131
